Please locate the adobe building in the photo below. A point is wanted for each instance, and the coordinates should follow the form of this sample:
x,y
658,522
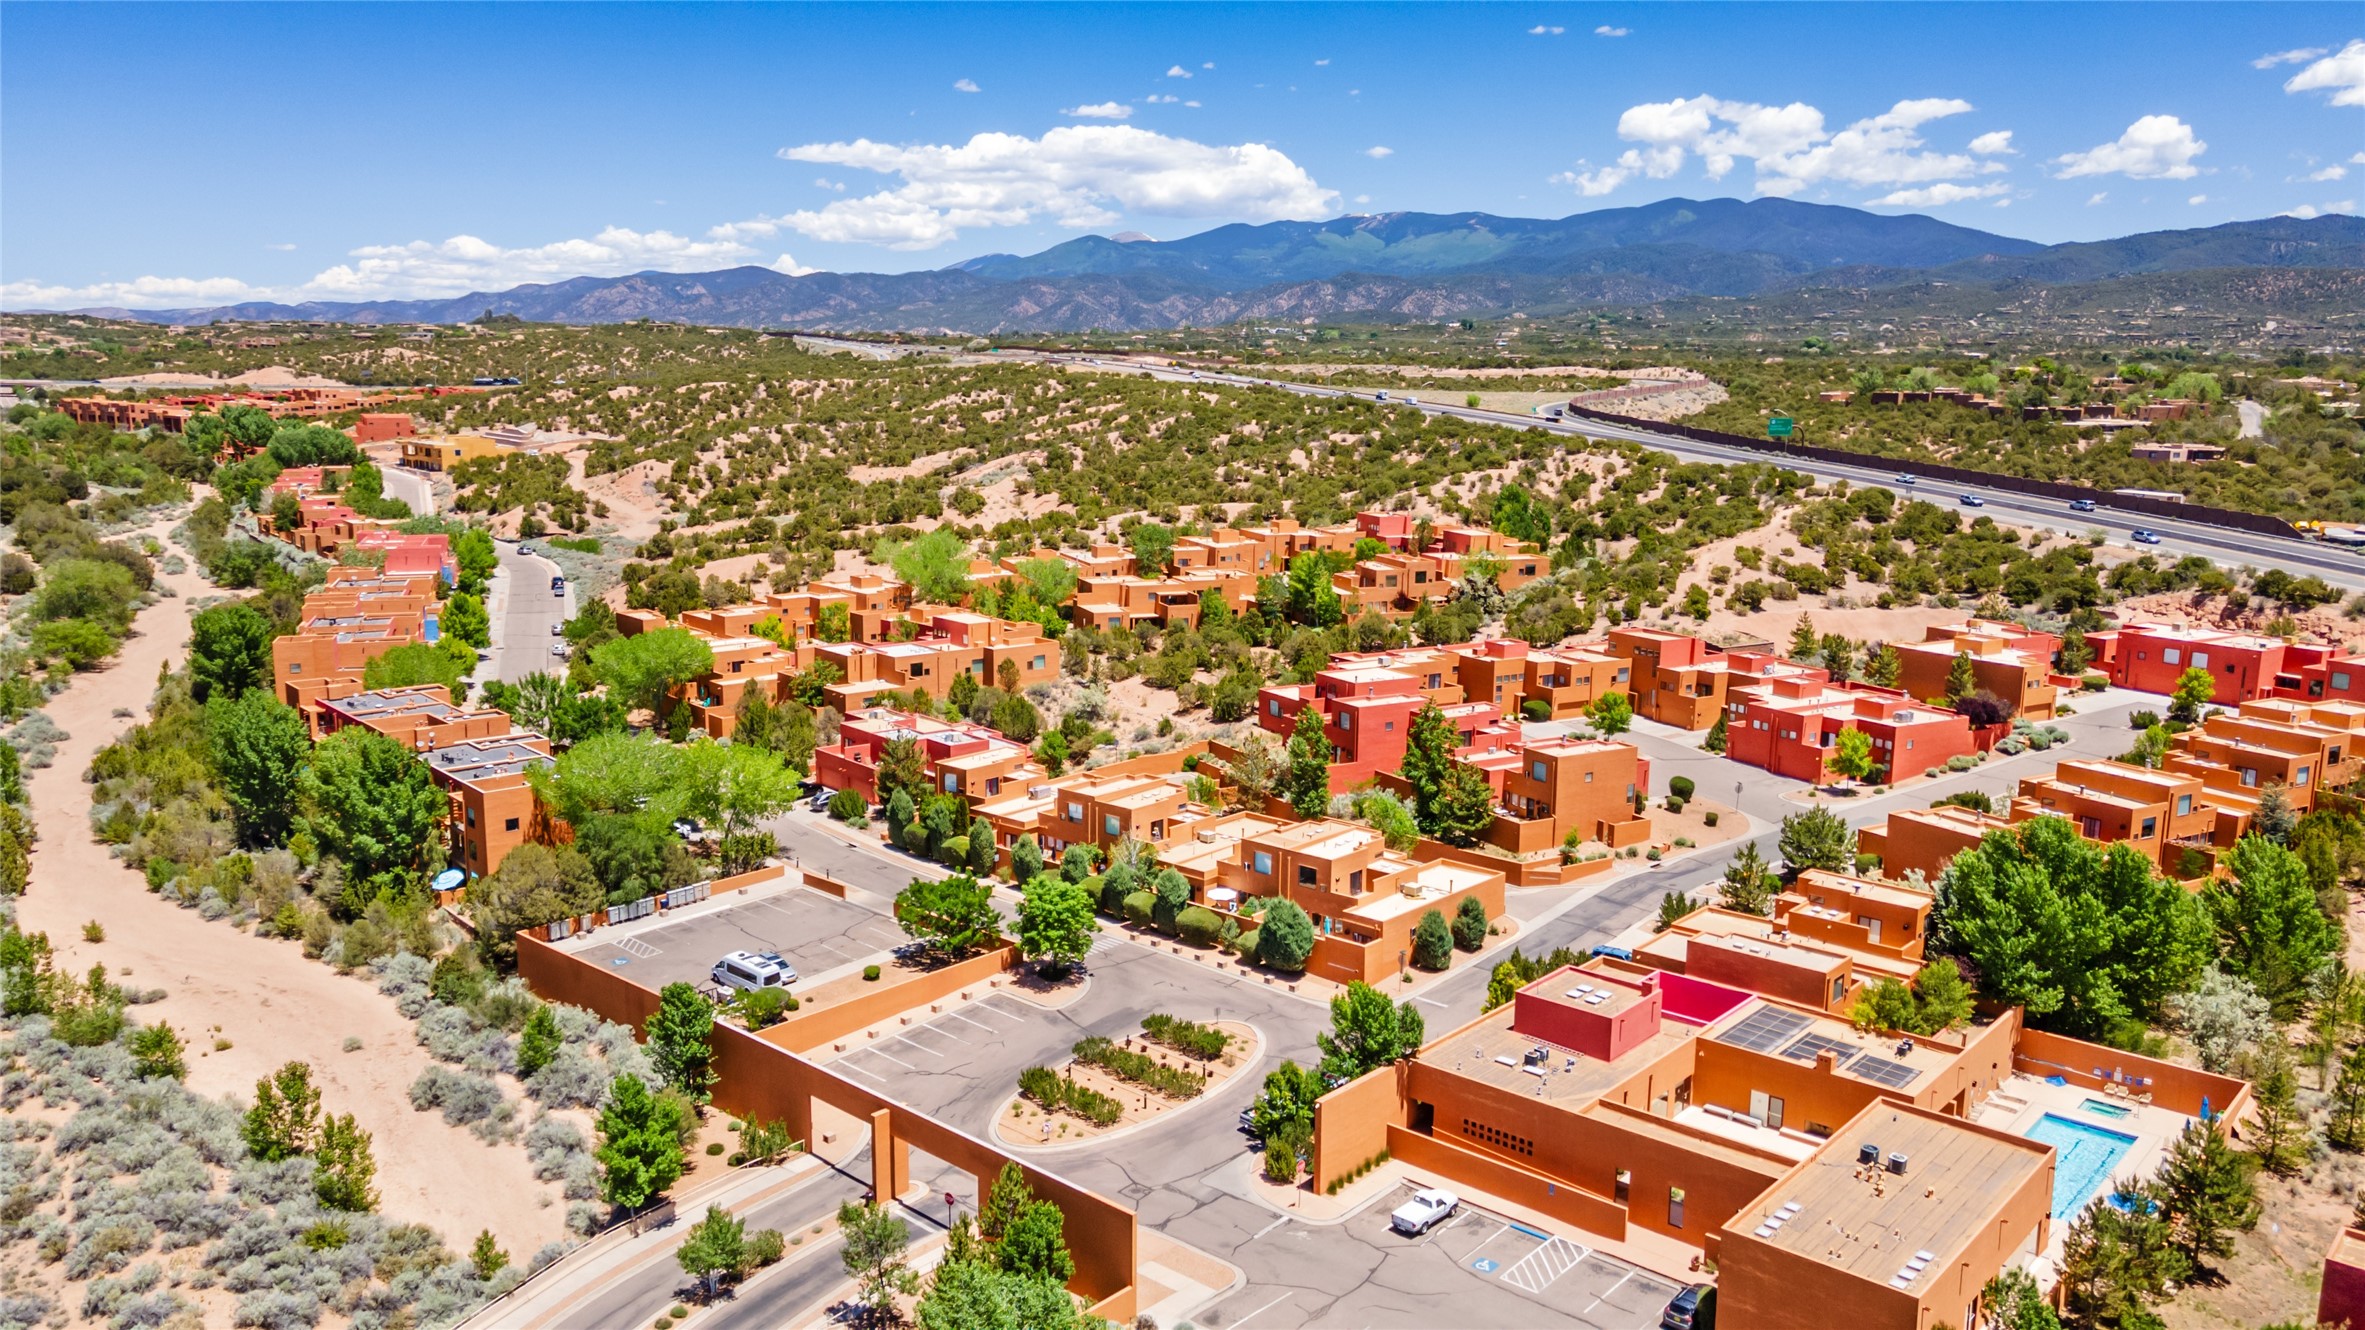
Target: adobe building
x,y
493,808
2341,1298
420,717
1681,680
2007,660
2151,657
1790,726
445,452
2162,814
972,761
1364,899
1550,790
383,426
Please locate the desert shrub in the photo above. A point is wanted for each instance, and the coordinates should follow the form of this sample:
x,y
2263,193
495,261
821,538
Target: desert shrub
x,y
1197,925
1201,1041
1140,908
1680,786
1139,1068
463,1098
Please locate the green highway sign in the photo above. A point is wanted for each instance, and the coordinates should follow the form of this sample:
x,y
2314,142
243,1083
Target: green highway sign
x,y
1778,427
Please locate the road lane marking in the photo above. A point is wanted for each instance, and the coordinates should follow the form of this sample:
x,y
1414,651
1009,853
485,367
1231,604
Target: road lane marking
x,y
1270,1227
1259,1312
993,1029
1611,1289
889,1056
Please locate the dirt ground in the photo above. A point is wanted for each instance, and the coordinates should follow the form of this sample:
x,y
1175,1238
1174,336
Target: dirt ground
x,y
1021,1123
261,1000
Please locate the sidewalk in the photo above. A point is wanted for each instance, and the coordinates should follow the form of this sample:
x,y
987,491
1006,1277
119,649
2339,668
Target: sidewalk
x,y
548,1297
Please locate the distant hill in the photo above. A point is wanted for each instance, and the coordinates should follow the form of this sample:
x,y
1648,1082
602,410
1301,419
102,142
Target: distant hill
x,y
1388,266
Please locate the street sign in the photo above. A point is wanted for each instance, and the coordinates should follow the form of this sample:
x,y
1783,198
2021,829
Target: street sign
x,y
1778,427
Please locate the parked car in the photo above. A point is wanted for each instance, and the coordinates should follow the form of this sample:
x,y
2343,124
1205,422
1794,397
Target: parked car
x,y
2081,505
748,971
1248,1121
1973,501
557,629
2146,536
1683,1308
1424,1211
558,648
525,549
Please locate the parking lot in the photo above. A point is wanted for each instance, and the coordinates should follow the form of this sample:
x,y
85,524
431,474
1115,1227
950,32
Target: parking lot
x,y
815,932
1491,1271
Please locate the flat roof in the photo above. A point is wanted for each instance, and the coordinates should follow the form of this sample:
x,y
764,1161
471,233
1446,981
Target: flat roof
x,y
1881,1226
1494,1053
1777,1030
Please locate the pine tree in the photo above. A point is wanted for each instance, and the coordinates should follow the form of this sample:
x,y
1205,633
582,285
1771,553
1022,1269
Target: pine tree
x,y
2280,1130
1960,681
538,1043
1466,807
2075,654
1715,742
1803,641
344,1173
1428,762
1009,1195
1884,667
2207,1189
1306,784
2347,1127
1745,888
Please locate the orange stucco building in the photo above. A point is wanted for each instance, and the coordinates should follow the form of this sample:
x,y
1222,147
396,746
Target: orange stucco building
x,y
1682,681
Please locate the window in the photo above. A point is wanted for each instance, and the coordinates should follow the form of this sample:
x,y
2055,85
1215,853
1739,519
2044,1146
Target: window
x,y
1305,876
2151,827
1038,662
2184,805
1535,770
1109,825
471,817
2249,776
1263,863
1355,881
295,668
2340,680
1626,1180
1588,778
1075,812
1346,720
1675,1207
2201,661
509,824
952,782
2172,656
2300,777
1273,707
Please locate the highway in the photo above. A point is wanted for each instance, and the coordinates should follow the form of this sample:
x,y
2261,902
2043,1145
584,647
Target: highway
x,y
2233,549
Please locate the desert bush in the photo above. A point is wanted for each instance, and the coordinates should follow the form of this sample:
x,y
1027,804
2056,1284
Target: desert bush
x,y
463,1098
1201,1041
1139,1068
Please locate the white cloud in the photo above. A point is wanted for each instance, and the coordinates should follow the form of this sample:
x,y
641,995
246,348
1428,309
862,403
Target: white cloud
x,y
1177,72
1363,198
1790,146
2003,202
1605,30
1073,176
2291,57
1938,195
2197,200
2336,171
140,292
824,182
1100,111
2307,210
1209,64
1540,30
787,263
2157,147
2342,74
1192,105
465,263
1378,152
1994,143
286,247
1161,99
1323,61
965,85
2096,199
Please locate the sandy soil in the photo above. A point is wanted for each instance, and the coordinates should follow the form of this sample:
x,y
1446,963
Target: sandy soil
x,y
2323,624
1022,1123
262,997
633,504
269,376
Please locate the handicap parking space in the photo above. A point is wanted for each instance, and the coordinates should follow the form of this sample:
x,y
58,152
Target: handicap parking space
x,y
814,932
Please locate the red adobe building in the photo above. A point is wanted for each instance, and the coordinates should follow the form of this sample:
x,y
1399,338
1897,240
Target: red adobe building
x,y
2151,657
1367,713
2321,673
968,760
1791,727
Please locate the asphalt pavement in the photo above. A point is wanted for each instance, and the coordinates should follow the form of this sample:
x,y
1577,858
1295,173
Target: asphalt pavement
x,y
526,616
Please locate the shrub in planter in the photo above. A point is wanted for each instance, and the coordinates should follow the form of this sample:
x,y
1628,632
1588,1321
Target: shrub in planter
x,y
1709,818
870,974
1680,786
1245,944
1198,926
1674,805
1139,907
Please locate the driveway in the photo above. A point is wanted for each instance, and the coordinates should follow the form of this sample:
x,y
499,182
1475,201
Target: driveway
x,y
412,487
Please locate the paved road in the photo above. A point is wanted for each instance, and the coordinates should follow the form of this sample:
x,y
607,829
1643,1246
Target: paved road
x,y
644,1293
412,487
2233,548
525,615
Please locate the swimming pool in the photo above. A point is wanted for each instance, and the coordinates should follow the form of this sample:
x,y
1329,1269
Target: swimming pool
x,y
2084,1156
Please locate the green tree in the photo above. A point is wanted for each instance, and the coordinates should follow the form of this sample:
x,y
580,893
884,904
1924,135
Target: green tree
x,y
474,551
2274,819
1153,549
2013,1301
1284,1108
1367,1031
902,769
716,1245
1432,941
370,802
953,917
344,1173
466,622
1285,938
875,1241
733,787
417,663
486,1257
974,1295
1311,599
1516,513
1717,737
1817,838
643,668
2117,1260
285,1120
1470,924
1883,668
2151,748
2076,656
1428,763
156,1051
1056,923
258,746
1803,641
640,1146
934,564
534,885
1306,783
1611,713
2207,1188
1465,810
1026,859
1943,996
539,1042
614,775
1010,1194
1851,754
1034,1244
1960,681
229,651
2193,691
2279,1132
681,1040
1048,581
2268,923
2082,936
1748,886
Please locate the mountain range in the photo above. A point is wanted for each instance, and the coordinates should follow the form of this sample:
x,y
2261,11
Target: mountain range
x,y
1381,267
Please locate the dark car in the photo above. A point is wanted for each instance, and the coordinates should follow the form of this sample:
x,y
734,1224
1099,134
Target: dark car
x,y
2081,505
1973,501
1683,1309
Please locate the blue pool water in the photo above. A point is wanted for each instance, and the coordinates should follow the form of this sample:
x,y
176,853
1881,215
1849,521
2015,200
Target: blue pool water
x,y
2084,1157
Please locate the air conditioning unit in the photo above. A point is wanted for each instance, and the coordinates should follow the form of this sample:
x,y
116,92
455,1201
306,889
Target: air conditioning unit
x,y
1208,838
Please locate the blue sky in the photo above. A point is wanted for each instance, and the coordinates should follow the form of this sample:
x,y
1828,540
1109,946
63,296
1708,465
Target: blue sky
x,y
195,154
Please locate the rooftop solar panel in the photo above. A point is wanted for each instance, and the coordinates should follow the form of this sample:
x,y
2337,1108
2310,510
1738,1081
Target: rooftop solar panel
x,y
1767,1029
1815,1045
1884,1071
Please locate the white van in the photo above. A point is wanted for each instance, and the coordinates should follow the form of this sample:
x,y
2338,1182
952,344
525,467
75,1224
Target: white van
x,y
751,970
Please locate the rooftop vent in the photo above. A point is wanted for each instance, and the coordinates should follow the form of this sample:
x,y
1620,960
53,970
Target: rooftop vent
x,y
1897,1164
1868,1153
